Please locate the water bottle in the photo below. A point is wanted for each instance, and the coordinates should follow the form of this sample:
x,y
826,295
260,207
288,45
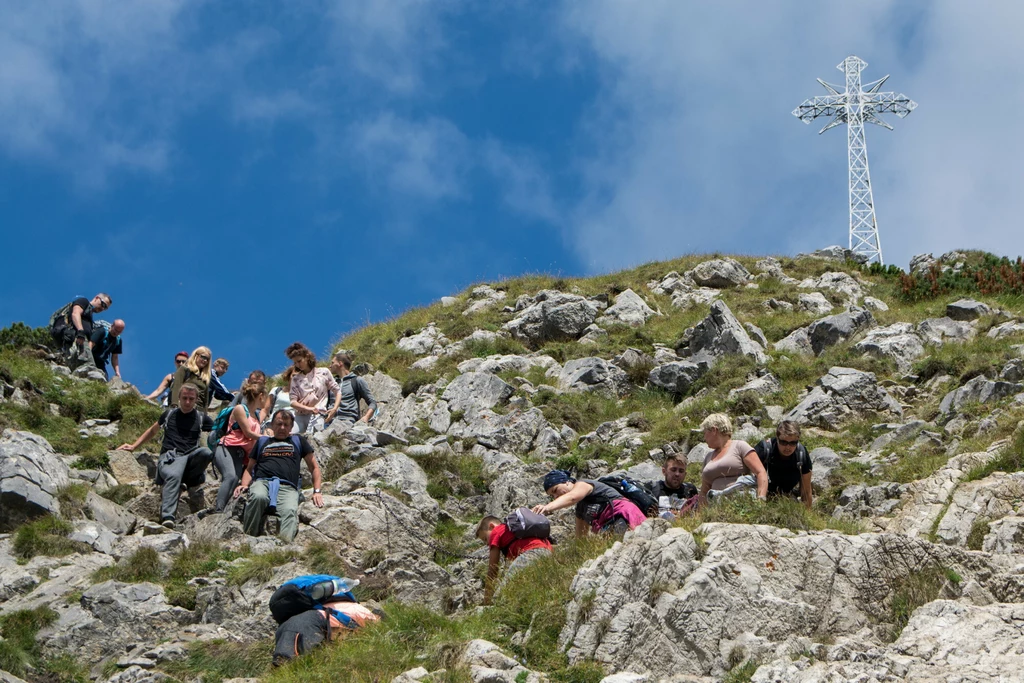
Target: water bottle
x,y
664,507
320,592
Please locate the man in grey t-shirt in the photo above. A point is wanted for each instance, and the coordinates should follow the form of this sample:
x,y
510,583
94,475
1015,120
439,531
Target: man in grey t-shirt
x,y
353,389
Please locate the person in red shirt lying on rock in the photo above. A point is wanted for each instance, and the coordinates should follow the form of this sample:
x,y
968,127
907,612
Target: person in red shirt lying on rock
x,y
518,551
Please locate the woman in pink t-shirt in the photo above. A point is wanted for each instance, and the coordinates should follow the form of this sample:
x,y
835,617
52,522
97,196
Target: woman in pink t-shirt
x,y
729,460
308,388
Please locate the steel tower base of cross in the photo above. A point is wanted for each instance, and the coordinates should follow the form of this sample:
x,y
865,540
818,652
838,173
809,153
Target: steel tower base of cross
x,y
854,106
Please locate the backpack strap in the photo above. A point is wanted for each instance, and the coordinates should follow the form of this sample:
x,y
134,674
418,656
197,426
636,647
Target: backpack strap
x,y
297,442
257,449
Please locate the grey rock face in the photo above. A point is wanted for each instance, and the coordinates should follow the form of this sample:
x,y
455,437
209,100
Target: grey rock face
x,y
757,334
629,309
983,500
841,395
833,253
831,330
938,331
394,470
482,298
967,309
720,274
719,335
31,474
428,340
1013,371
841,283
553,315
759,386
815,303
978,390
922,263
798,341
1005,536
647,605
1007,329
488,664
873,304
510,363
898,342
678,376
476,391
826,461
868,501
514,432
593,374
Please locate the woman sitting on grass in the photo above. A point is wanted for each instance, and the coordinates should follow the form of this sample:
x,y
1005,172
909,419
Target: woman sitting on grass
x,y
732,465
598,505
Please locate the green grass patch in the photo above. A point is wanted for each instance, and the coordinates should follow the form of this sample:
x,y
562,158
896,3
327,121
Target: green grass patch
x,y
783,512
1009,459
916,589
216,660
978,532
47,536
19,653
141,566
453,474
911,466
72,500
259,567
65,669
120,494
741,673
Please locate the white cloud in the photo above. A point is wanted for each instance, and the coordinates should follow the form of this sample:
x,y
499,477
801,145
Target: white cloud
x,y
693,148
524,185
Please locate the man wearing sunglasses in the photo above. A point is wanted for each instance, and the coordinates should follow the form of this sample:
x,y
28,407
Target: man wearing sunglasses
x,y
787,462
71,325
163,392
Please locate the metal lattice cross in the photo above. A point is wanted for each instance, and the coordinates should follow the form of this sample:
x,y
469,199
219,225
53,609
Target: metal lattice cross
x,y
853,107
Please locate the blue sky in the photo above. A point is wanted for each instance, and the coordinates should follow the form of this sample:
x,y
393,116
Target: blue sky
x,y
242,175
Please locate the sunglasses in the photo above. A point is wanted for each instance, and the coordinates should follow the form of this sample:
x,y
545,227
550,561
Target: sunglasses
x,y
783,442
180,361
203,357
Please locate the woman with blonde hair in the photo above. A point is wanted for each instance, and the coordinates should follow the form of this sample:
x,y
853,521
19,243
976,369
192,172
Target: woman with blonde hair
x,y
196,371
732,464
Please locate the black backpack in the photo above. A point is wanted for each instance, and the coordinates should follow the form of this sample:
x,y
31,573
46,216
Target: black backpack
x,y
525,523
801,455
635,491
310,592
300,634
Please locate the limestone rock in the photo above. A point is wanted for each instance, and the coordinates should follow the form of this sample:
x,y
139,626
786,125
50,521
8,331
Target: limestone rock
x,y
898,342
815,303
1007,329
1005,536
719,335
873,304
938,331
1013,371
593,374
678,376
977,390
126,468
393,471
826,462
488,664
757,334
483,297
841,395
841,283
552,316
830,330
967,309
510,363
476,391
629,309
719,273
428,340
798,341
922,263
513,432
984,500
31,474
765,385
834,253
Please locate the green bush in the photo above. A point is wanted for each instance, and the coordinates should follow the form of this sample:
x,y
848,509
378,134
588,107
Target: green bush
x,y
140,567
19,336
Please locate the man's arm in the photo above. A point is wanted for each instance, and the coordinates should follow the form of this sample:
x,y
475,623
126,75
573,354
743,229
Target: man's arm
x,y
806,495
246,480
493,559
116,364
146,436
314,468
218,390
76,320
371,403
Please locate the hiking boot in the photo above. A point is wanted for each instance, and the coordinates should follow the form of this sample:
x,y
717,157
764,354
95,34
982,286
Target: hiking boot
x,y
168,523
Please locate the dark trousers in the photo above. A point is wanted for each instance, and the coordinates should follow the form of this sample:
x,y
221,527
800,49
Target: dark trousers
x,y
173,469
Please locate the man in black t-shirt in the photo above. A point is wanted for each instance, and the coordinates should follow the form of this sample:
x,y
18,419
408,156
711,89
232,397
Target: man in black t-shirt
x,y
71,325
787,462
273,478
181,457
674,483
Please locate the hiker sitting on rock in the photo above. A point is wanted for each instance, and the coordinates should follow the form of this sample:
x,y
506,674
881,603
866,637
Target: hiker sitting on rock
x,y
598,506
732,465
105,343
674,485
217,388
273,478
787,463
232,452
353,389
163,392
519,551
197,373
71,326
308,387
182,460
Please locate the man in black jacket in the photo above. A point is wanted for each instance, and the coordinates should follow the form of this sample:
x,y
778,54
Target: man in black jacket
x,y
787,462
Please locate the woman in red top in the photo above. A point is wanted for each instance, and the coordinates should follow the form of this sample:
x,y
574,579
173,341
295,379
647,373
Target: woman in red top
x,y
519,551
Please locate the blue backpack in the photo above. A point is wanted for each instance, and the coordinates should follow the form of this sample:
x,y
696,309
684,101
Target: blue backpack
x,y
304,593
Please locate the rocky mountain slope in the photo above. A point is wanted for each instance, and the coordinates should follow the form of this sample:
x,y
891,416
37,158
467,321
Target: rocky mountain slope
x,y
910,388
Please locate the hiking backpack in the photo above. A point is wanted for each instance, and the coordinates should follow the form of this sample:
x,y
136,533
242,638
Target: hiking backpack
x,y
304,593
525,523
62,313
221,424
800,454
300,634
636,492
